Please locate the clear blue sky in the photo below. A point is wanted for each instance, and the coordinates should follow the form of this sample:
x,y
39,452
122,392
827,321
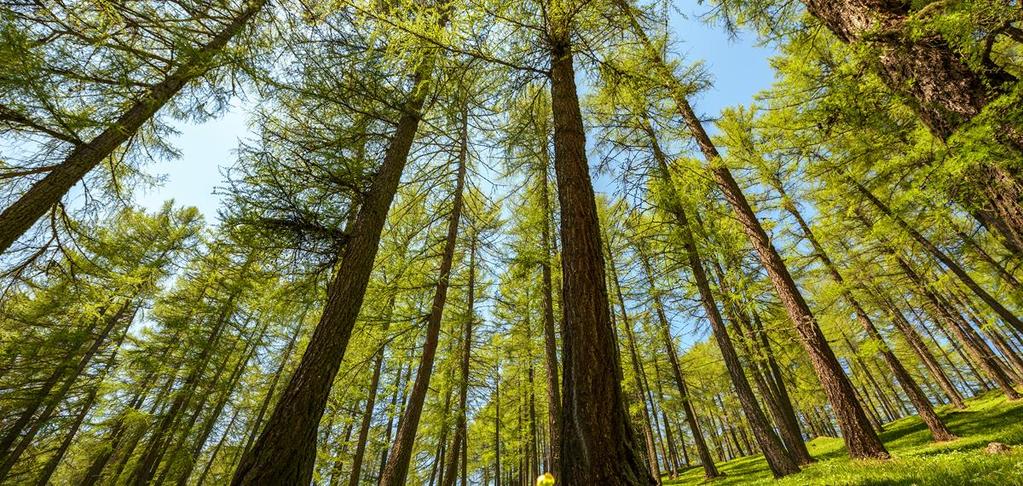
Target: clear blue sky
x,y
738,67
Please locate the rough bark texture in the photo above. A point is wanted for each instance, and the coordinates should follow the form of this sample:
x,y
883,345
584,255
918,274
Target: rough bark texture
x,y
285,451
597,440
943,89
48,191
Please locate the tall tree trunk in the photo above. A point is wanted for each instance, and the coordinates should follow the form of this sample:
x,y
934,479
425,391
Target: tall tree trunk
x,y
83,411
780,461
396,470
367,416
460,437
285,451
664,328
216,449
146,467
860,439
939,431
920,349
979,352
268,398
637,367
597,441
19,217
550,339
49,402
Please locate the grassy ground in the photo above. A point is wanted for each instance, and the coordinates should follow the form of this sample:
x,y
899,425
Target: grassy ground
x,y
915,459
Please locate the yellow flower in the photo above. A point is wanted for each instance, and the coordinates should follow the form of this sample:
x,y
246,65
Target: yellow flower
x,y
546,479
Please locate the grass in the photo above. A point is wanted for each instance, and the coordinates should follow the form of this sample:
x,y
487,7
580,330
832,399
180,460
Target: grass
x,y
915,459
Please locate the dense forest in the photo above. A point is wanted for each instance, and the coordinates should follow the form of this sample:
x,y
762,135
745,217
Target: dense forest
x,y
473,242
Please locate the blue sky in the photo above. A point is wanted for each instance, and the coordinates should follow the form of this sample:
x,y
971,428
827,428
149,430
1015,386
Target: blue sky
x,y
738,67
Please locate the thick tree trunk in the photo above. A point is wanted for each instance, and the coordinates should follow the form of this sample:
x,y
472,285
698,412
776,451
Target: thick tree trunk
x,y
285,451
942,88
780,461
19,217
597,440
396,470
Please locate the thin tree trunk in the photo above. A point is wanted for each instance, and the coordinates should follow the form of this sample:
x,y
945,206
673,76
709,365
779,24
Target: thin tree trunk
x,y
780,461
8,459
939,431
940,256
861,440
980,353
926,357
460,437
285,357
396,470
147,464
19,217
637,367
367,416
710,471
550,339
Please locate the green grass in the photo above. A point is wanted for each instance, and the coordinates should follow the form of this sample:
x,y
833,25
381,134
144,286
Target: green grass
x,y
915,459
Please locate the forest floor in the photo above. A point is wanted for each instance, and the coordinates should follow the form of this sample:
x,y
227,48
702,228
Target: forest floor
x,y
915,459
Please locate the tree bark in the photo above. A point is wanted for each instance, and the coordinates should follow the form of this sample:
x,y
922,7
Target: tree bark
x,y
597,440
550,339
637,367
